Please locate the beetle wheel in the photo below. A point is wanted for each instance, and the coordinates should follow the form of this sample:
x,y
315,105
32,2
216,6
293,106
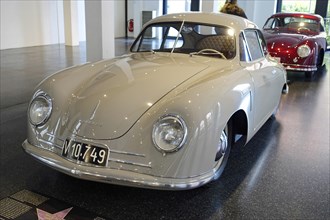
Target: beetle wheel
x,y
222,154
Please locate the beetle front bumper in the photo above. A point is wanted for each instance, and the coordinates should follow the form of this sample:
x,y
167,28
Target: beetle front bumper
x,y
115,176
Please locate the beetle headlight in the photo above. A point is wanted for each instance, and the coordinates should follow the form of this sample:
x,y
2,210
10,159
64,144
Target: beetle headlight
x,y
169,133
303,51
40,109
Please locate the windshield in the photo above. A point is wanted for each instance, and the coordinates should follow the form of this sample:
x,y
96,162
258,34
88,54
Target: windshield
x,y
179,37
293,23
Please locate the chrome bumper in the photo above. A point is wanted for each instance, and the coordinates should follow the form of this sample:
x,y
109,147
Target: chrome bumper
x,y
296,67
115,176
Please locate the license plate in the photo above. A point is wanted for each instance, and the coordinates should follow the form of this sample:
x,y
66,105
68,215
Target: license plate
x,y
85,152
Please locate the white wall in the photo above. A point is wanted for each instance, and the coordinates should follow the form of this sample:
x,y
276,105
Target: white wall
x,y
30,23
81,20
135,9
40,22
34,23
258,10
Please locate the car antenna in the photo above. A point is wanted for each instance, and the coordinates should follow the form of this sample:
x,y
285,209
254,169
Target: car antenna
x,y
177,37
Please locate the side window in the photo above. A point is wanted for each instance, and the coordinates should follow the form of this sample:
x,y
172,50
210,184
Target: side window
x,y
269,24
243,50
253,42
262,42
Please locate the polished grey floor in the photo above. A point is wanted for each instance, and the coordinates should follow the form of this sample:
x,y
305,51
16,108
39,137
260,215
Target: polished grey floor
x,y
283,173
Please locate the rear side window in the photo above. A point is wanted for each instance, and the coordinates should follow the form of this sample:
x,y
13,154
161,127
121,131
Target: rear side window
x,y
253,42
243,49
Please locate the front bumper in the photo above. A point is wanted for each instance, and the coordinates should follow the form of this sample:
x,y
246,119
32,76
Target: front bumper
x,y
293,64
297,67
115,176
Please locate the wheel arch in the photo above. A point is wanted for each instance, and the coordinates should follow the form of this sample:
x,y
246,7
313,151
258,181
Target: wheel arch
x,y
320,58
239,125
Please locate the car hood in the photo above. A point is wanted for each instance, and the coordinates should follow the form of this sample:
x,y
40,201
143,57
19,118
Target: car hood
x,y
281,39
115,94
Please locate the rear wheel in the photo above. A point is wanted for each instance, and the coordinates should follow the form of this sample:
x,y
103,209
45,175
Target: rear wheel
x,y
224,146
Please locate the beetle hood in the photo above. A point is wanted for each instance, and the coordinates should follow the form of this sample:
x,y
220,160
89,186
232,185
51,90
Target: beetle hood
x,y
115,94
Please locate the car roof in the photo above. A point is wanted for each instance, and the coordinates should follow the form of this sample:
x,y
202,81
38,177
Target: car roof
x,y
214,18
298,14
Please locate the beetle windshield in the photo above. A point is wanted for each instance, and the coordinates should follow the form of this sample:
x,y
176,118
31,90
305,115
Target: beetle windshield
x,y
295,24
179,37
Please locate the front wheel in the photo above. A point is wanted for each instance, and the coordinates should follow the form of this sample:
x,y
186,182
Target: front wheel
x,y
309,74
224,146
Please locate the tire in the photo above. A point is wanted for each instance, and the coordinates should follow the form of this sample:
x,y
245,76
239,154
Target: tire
x,y
273,115
309,74
320,59
319,65
224,146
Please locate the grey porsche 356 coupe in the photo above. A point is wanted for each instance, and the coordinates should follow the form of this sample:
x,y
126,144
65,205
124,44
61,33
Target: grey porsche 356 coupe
x,y
165,115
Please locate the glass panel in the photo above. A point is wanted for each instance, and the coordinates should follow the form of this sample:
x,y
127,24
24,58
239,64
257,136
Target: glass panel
x,y
327,25
174,6
244,54
253,42
298,6
294,23
270,24
262,42
170,41
163,37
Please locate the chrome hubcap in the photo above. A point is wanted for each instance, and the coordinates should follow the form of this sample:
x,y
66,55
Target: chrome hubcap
x,y
222,146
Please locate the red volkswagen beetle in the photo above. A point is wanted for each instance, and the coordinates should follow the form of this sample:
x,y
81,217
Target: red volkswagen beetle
x,y
298,40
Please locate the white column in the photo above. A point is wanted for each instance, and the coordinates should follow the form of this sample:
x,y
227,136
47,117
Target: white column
x,y
137,11
108,29
99,29
71,29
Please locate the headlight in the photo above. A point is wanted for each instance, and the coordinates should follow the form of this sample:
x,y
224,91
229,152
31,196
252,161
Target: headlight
x,y
40,109
169,133
303,51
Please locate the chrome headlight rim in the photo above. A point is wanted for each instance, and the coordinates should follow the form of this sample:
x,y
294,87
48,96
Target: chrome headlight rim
x,y
44,96
304,51
183,125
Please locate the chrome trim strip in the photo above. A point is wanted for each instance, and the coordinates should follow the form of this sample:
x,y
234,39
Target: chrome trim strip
x,y
130,163
50,135
127,153
49,143
61,139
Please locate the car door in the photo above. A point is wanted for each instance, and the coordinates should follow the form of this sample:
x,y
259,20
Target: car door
x,y
265,77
